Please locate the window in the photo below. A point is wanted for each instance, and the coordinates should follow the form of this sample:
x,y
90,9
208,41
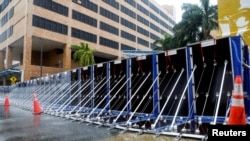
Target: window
x,y
142,9
49,25
4,4
142,42
6,34
84,18
128,36
154,27
109,28
112,3
154,37
87,4
153,7
126,47
52,6
128,11
77,33
106,13
155,18
7,17
142,31
128,24
109,43
131,2
142,20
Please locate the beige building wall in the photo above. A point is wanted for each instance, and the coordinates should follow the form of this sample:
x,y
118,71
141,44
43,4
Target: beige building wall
x,y
32,44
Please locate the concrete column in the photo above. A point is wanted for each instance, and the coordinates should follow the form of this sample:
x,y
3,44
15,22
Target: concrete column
x,y
27,50
66,57
9,56
2,57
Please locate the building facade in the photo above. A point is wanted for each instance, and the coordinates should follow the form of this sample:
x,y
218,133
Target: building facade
x,y
37,34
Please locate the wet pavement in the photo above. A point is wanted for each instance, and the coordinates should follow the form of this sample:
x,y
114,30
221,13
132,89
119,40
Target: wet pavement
x,y
22,125
17,124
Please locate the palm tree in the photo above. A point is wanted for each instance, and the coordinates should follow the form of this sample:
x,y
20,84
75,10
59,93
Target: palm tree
x,y
83,54
196,23
164,44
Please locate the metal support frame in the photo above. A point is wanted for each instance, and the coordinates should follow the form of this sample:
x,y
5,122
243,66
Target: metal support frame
x,y
92,77
108,85
246,78
128,85
156,103
191,94
79,73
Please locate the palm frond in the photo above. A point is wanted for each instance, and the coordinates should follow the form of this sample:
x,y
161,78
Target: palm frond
x,y
83,53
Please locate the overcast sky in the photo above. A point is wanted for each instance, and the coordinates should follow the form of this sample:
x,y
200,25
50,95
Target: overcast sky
x,y
178,3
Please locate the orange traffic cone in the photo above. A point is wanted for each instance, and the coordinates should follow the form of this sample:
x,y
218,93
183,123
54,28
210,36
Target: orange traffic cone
x,y
37,108
6,111
6,101
237,114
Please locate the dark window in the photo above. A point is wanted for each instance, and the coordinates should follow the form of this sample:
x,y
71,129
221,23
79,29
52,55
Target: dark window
x,y
154,27
142,42
6,34
142,20
77,33
145,1
153,36
155,18
87,4
166,25
128,36
7,16
165,16
106,13
84,18
142,31
153,7
142,9
52,6
128,12
4,4
112,3
49,25
109,43
131,2
109,28
126,47
128,24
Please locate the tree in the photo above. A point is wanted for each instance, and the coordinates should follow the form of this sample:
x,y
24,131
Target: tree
x,y
164,44
83,54
196,23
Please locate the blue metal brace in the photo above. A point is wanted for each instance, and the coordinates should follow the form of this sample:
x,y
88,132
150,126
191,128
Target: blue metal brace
x,y
128,86
108,85
92,77
155,86
190,88
246,79
79,73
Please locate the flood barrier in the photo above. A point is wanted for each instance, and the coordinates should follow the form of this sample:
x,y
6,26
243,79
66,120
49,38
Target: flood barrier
x,y
177,92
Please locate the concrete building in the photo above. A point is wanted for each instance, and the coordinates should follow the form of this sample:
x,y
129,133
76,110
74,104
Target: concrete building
x,y
36,35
